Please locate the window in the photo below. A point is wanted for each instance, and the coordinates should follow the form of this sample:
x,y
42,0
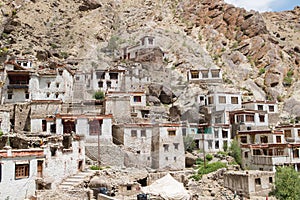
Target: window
x,y
176,145
246,154
44,125
57,85
263,139
166,158
224,134
234,100
261,118
215,73
175,158
278,152
240,118
270,179
222,99
287,133
216,134
298,132
48,94
260,107
129,187
271,108
100,84
249,118
26,94
296,153
60,72
183,131
100,75
210,100
108,84
209,142
143,133
171,132
217,145
257,181
56,95
95,127
218,120
21,171
9,94
243,139
0,172
113,76
48,84
150,41
137,99
166,147
194,74
133,133
204,73
278,139
256,152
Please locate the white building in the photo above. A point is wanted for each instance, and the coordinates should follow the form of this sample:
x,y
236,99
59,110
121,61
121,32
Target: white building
x,y
137,139
52,84
18,172
89,125
168,149
205,75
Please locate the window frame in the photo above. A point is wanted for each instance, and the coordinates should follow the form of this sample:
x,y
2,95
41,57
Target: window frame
x,y
22,171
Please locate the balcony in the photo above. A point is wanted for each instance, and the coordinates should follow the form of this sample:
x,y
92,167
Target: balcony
x,y
270,160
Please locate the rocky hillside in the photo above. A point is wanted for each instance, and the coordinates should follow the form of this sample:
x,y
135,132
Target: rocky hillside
x,y
259,53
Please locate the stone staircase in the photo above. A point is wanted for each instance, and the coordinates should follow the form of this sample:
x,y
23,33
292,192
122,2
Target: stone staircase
x,y
76,180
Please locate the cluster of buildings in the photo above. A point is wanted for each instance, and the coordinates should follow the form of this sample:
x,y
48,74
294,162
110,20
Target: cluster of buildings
x,y
53,108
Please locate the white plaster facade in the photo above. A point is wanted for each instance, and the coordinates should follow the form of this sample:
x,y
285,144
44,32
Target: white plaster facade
x,y
136,138
53,85
108,80
5,121
268,106
64,163
14,186
168,151
211,75
88,125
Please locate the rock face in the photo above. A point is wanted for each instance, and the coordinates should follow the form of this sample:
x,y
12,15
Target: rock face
x,y
250,47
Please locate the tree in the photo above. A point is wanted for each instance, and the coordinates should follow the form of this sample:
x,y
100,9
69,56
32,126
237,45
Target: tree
x,y
99,95
235,152
189,143
287,184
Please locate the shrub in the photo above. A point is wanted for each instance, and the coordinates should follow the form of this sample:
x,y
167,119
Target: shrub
x,y
209,157
287,184
287,81
95,167
99,95
211,167
189,143
235,152
261,71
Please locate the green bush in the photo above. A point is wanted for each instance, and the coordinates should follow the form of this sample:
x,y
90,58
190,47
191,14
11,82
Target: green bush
x,y
287,81
261,71
1,133
209,157
235,152
199,161
99,95
287,184
94,167
211,167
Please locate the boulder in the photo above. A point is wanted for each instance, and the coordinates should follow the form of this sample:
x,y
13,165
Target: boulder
x,y
166,96
190,159
154,100
89,5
